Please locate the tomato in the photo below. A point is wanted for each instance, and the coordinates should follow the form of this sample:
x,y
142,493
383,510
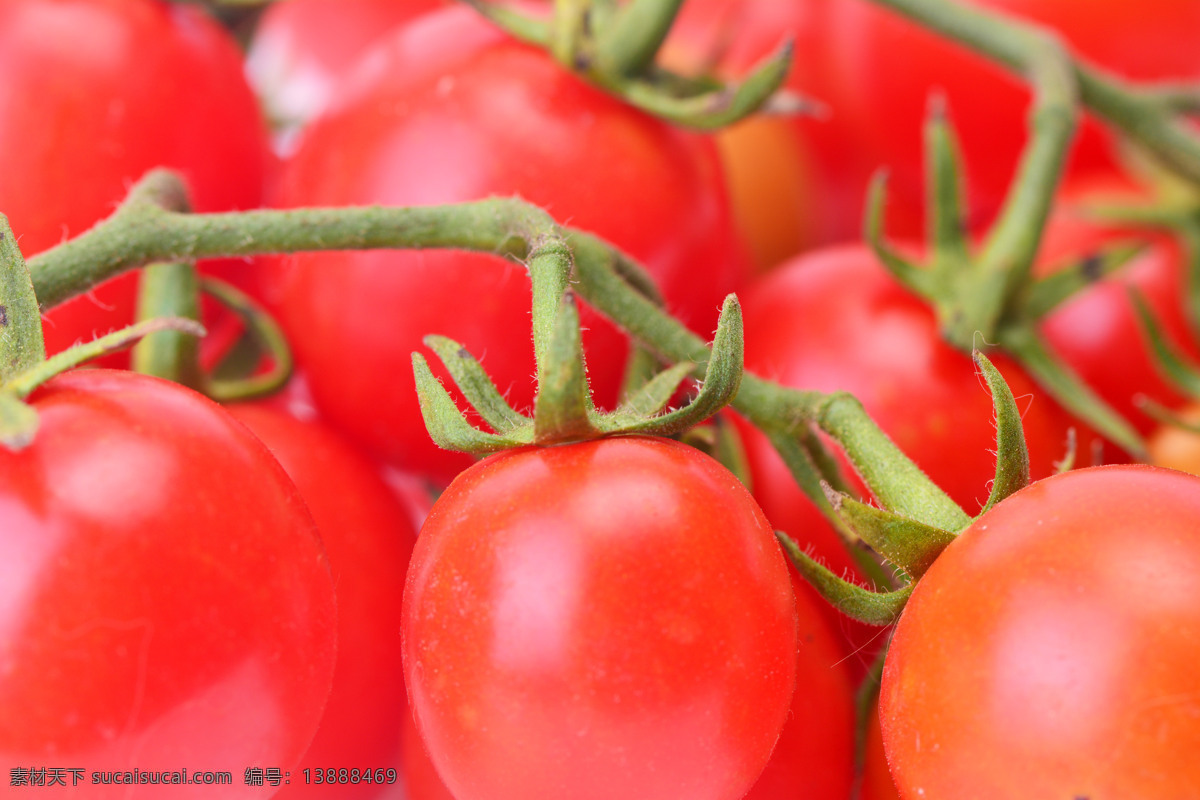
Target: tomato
x,y
369,538
166,602
421,781
877,783
835,320
879,109
814,757
795,182
1097,331
1175,447
494,120
97,92
303,48
596,620
1051,649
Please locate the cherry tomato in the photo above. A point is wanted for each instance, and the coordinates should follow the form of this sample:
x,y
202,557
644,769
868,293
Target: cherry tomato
x,y
877,783
166,602
790,510
796,182
421,780
369,538
1175,447
496,120
303,48
814,757
97,92
605,619
1051,650
1097,331
834,320
879,108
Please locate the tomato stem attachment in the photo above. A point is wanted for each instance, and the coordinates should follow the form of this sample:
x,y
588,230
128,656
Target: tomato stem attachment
x,y
988,294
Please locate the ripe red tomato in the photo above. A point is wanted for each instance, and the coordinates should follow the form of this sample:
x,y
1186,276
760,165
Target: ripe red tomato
x,y
494,120
795,182
1177,448
877,783
1097,331
814,757
879,108
165,601
834,320
603,619
369,539
303,48
1058,634
97,92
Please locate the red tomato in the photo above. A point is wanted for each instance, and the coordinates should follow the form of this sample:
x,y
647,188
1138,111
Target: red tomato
x,y
165,603
303,48
604,619
814,757
877,783
97,92
834,320
421,781
1051,650
369,539
790,510
1097,331
1178,448
497,120
795,182
883,68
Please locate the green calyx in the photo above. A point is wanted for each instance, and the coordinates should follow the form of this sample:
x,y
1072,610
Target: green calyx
x,y
563,408
614,46
987,295
910,540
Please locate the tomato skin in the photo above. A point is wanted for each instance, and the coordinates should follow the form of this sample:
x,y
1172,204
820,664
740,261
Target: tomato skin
x,y
814,757
599,620
1097,331
1060,633
834,320
877,783
369,539
97,92
1177,448
499,120
795,182
303,48
880,109
170,603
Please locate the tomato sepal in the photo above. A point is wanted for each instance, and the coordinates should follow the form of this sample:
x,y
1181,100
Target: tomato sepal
x,y
906,543
856,602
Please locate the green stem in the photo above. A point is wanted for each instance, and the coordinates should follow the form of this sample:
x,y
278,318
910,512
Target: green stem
x,y
140,233
169,290
1141,116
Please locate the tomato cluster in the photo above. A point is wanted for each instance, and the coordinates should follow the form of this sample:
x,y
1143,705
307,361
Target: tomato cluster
x,y
268,588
